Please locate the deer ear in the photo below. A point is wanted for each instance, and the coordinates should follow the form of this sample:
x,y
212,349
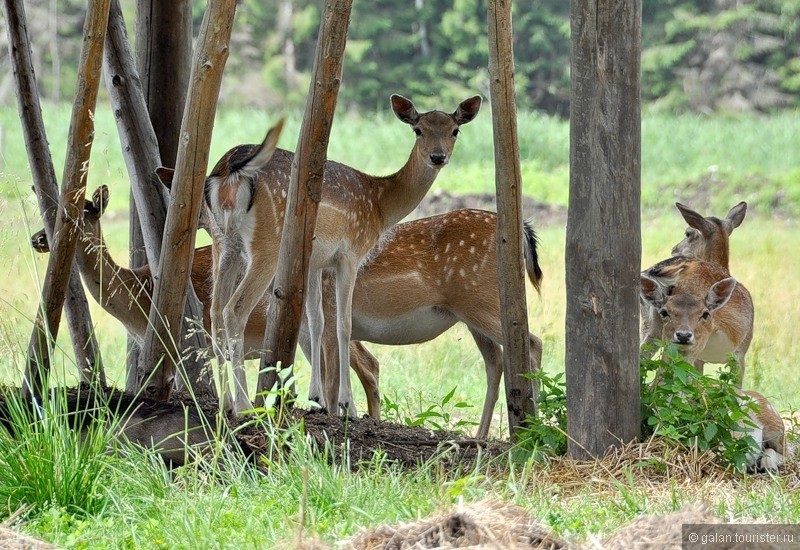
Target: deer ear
x,y
651,291
719,293
695,220
404,109
467,110
735,217
165,175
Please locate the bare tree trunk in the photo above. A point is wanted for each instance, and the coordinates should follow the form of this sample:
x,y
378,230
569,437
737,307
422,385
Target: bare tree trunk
x,y
70,207
187,195
305,189
54,53
286,43
603,249
508,183
84,342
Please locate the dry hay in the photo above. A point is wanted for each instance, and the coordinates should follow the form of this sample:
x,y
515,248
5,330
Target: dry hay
x,y
11,540
485,524
658,531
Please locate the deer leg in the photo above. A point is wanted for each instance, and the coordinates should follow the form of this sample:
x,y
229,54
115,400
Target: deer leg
x,y
536,361
224,283
345,282
316,324
492,354
739,354
367,368
699,364
235,315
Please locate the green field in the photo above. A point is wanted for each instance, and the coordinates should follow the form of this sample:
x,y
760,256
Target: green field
x,y
708,163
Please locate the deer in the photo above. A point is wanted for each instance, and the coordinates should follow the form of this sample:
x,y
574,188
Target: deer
x,y
428,275
245,199
706,241
698,306
382,304
767,430
707,238
126,293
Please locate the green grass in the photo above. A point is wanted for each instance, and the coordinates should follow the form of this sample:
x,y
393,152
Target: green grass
x,y
756,159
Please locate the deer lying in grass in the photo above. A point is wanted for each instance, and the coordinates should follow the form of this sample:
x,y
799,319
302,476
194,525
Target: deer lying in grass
x,y
415,278
700,260
178,433
768,432
246,198
696,305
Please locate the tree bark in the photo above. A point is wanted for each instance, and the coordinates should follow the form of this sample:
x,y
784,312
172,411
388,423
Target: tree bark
x,y
305,187
186,198
603,248
70,207
84,342
508,184
141,153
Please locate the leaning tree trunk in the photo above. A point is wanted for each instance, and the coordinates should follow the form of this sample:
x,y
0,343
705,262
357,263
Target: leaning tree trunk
x,y
70,207
603,249
141,152
177,250
305,188
508,183
84,342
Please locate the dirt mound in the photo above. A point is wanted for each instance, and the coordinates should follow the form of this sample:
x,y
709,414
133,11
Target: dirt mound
x,y
358,441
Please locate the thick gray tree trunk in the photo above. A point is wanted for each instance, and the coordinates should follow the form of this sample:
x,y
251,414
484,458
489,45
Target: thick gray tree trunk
x,y
603,248
305,188
508,183
164,331
84,342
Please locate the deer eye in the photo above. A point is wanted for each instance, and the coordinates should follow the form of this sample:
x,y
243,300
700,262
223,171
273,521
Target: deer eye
x,y
706,315
455,132
418,131
664,313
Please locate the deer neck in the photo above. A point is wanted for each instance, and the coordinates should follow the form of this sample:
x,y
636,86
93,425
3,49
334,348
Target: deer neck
x,y
717,252
402,192
101,274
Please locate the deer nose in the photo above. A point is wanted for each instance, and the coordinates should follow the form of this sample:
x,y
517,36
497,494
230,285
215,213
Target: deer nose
x,y
683,337
438,158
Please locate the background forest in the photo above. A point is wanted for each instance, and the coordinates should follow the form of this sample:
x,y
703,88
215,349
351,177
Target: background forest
x,y
698,55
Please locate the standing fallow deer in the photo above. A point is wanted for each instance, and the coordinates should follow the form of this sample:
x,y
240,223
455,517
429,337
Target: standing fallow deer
x,y
428,274
707,237
246,197
700,308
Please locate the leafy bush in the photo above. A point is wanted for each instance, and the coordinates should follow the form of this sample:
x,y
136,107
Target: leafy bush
x,y
696,411
678,404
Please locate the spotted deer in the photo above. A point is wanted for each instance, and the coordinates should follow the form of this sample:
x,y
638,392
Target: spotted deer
x,y
707,237
696,305
245,197
421,259
428,275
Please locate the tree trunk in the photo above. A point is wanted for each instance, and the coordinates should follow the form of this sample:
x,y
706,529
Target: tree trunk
x,y
84,342
141,153
186,197
305,187
508,184
603,248
70,207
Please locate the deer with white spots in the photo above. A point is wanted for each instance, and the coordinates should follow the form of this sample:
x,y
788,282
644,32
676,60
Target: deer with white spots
x,y
428,275
246,198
